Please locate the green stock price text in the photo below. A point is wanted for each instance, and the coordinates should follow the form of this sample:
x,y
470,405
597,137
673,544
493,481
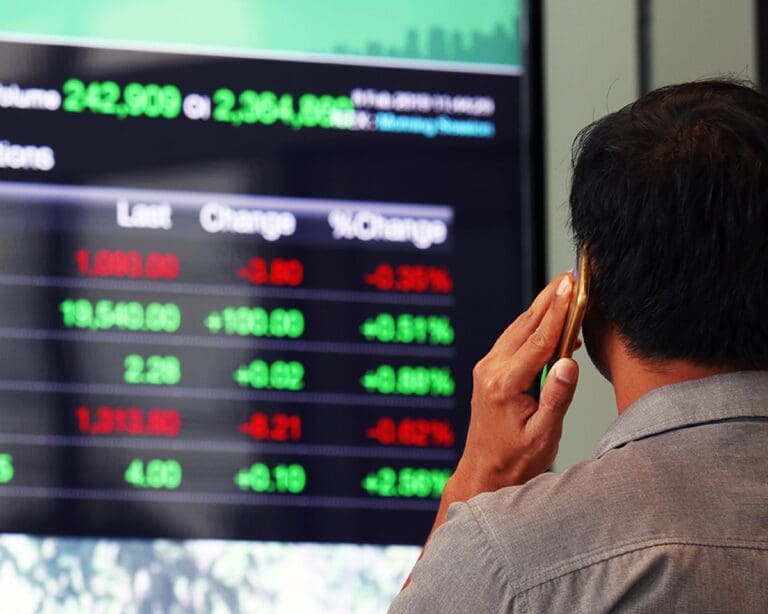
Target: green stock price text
x,y
408,328
154,370
407,380
261,478
246,107
406,482
120,315
256,322
279,375
156,474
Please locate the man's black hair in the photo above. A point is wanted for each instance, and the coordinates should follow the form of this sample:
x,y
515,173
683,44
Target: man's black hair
x,y
671,196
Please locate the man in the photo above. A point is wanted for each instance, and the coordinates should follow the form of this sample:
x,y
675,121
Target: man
x,y
670,195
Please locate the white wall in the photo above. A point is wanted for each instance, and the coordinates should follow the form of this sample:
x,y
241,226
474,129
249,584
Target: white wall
x,y
692,39
591,69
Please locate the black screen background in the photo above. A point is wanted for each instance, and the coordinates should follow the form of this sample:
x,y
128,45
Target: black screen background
x,y
480,179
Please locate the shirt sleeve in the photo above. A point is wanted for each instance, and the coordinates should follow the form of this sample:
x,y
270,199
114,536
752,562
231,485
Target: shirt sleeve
x,y
459,572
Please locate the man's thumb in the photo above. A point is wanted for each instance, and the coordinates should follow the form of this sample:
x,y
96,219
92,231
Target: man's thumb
x,y
557,393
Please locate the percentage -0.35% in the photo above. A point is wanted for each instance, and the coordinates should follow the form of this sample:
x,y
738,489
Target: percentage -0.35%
x,y
410,278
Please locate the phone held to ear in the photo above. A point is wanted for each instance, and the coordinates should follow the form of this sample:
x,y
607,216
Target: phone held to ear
x,y
576,310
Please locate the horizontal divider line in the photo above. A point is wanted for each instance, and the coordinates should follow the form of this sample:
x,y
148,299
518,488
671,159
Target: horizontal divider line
x,y
238,447
272,500
175,287
225,394
254,343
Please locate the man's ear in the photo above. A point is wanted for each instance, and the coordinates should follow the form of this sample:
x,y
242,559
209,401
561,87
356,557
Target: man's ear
x,y
592,302
597,332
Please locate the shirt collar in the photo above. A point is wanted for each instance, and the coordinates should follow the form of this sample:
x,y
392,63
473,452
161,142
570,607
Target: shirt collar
x,y
719,397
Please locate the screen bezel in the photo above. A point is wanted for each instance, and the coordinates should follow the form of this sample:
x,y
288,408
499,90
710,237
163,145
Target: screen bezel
x,y
528,256
533,199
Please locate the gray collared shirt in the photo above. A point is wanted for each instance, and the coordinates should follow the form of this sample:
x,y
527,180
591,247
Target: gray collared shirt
x,y
671,514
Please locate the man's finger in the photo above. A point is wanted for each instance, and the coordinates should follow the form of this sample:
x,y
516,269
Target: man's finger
x,y
542,343
526,323
555,398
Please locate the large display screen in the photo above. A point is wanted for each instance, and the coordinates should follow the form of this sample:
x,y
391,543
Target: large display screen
x,y
242,290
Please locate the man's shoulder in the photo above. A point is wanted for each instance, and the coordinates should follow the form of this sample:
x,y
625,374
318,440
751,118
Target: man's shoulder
x,y
556,497
558,521
695,495
662,490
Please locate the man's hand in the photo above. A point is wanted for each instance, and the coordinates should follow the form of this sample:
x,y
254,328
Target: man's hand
x,y
511,437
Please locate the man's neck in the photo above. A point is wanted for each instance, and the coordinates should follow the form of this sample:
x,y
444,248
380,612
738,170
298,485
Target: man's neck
x,y
633,377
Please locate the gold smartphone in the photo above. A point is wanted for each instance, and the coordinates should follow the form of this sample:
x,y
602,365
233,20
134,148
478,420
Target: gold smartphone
x,y
577,308
576,311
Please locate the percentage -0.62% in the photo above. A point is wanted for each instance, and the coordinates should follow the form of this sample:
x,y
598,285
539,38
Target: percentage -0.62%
x,y
417,432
